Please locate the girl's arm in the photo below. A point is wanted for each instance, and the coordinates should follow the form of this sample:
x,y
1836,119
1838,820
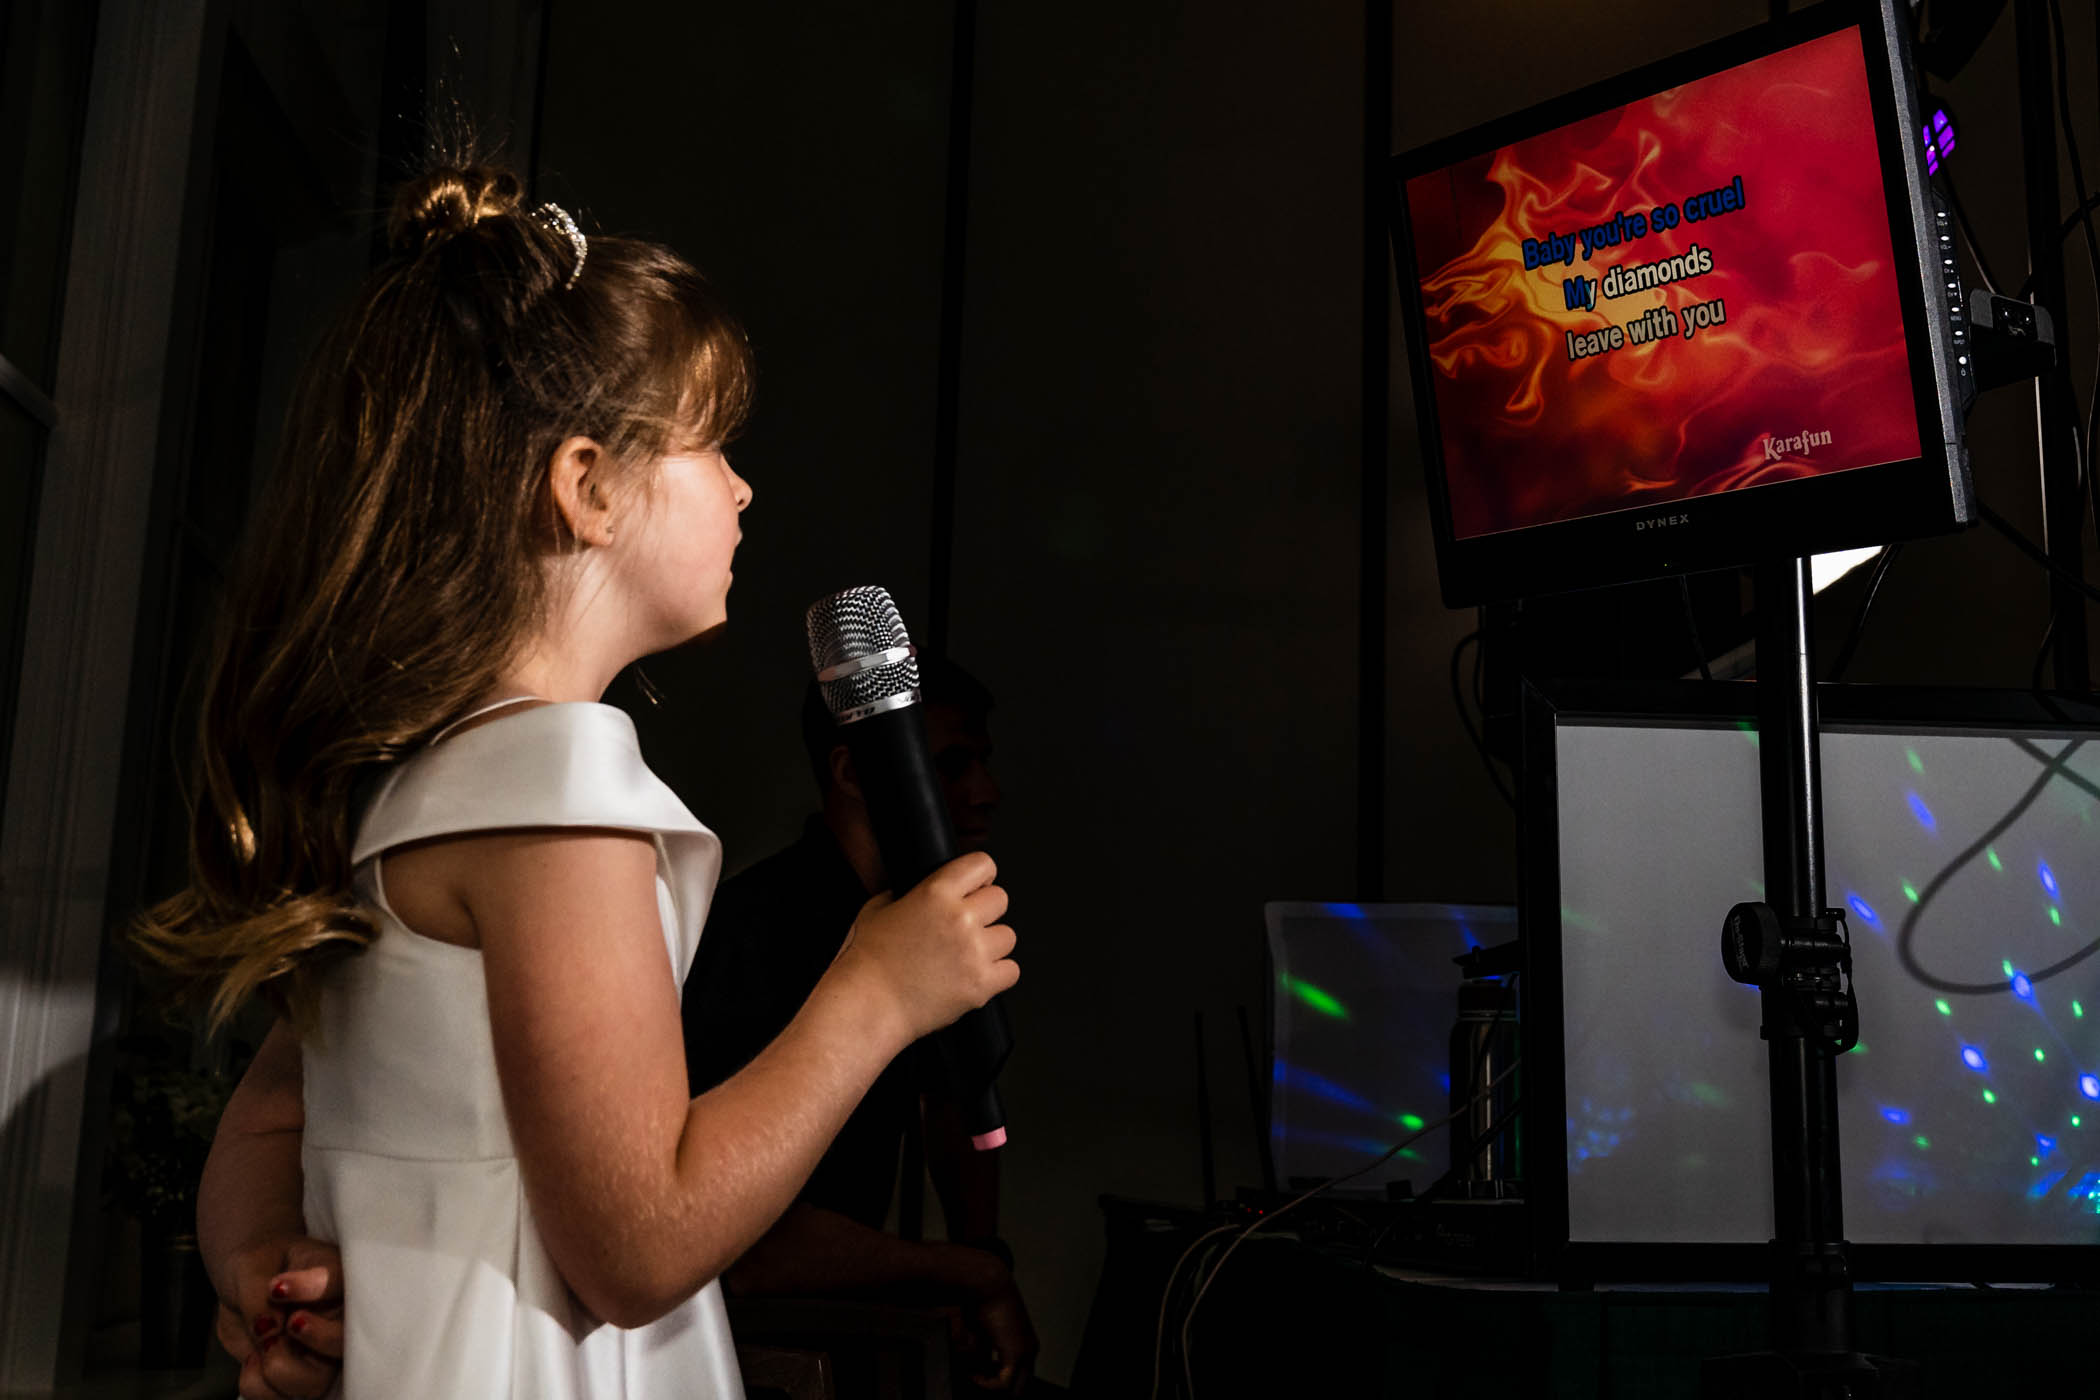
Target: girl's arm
x,y
252,1234
643,1195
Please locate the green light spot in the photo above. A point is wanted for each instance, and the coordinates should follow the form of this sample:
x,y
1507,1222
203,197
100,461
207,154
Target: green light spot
x,y
1315,998
2034,1161
2078,1009
1410,1155
1910,892
1940,1005
1922,1141
1411,1121
1989,1097
1859,1049
2056,916
2074,1120
2038,1054
1708,1095
1996,864
2007,965
1917,765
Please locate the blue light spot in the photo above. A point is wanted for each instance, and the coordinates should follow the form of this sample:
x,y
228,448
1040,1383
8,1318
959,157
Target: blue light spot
x,y
1973,1058
2085,1186
1922,812
2022,988
2089,1086
2044,1144
2045,1185
1346,911
2049,880
1472,938
1864,910
1896,1115
1445,1080
1304,1080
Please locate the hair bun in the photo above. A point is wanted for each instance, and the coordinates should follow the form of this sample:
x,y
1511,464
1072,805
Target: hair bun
x,y
449,200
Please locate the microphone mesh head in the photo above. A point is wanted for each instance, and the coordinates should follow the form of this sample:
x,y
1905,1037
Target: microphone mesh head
x,y
848,626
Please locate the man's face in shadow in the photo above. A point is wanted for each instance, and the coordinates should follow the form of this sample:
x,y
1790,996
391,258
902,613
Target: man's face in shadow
x,y
962,753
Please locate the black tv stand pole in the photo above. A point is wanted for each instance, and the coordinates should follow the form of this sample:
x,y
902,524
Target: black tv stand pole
x,y
1798,952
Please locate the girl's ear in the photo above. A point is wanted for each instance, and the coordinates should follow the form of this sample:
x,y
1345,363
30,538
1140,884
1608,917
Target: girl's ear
x,y
581,502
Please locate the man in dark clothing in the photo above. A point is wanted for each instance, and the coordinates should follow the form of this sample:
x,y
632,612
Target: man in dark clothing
x,y
771,933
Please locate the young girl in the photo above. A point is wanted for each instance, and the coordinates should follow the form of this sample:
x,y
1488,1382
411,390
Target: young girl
x,y
420,834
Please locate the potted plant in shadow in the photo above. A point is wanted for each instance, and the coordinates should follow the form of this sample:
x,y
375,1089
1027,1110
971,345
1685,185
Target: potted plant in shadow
x,y
163,1114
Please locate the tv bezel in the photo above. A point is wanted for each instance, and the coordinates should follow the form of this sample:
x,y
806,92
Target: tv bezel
x,y
1861,506
1544,1088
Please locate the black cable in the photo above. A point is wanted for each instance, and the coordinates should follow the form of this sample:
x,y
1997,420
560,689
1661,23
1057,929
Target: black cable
x,y
1465,718
1968,236
1691,621
1866,605
2053,766
1188,1320
2034,551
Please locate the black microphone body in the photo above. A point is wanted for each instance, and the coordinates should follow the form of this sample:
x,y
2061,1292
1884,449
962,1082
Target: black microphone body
x,y
909,813
869,674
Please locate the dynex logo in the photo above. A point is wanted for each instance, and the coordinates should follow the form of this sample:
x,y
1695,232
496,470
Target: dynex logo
x,y
1662,522
1800,443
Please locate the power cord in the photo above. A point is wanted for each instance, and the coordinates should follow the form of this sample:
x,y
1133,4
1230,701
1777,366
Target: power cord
x,y
1189,1318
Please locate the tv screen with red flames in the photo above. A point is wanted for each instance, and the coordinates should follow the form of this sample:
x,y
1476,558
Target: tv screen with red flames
x,y
1623,311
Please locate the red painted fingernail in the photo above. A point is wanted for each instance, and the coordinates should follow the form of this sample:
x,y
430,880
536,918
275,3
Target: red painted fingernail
x,y
298,1322
280,1289
265,1325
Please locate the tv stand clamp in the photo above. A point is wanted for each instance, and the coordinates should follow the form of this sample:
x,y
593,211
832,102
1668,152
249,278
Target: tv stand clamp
x,y
1807,962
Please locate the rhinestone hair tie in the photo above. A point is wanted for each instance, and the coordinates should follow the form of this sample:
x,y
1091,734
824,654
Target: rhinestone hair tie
x,y
557,218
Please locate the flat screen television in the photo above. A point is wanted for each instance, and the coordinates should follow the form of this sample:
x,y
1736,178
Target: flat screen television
x,y
1962,838
1700,315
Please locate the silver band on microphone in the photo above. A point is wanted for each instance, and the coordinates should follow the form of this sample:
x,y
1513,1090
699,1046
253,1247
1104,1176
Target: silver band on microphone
x,y
853,666
878,707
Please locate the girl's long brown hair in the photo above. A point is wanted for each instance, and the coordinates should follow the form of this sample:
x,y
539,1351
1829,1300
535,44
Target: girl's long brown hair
x,y
395,567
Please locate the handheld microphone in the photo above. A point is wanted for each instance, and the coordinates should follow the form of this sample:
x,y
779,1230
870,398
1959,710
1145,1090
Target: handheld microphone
x,y
869,673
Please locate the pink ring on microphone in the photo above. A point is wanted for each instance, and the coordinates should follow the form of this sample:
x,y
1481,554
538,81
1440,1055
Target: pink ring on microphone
x,y
985,1142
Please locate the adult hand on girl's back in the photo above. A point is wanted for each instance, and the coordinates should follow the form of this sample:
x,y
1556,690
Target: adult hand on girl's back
x,y
284,1319
940,950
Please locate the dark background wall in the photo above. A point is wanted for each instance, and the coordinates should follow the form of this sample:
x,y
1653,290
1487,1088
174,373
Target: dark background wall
x,y
1156,509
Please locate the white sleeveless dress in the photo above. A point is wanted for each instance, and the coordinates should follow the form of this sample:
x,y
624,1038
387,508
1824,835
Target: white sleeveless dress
x,y
409,1164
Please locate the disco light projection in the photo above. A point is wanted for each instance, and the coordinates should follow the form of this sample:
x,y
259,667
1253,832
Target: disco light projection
x,y
2046,1184
2049,881
1924,1143
2022,987
1865,911
2038,1059
1939,1004
2074,1120
1991,853
1898,1116
1989,1097
2056,916
1910,892
2078,1009
1290,1076
1923,813
1917,765
1411,1121
2005,966
2089,1086
2044,1145
1973,1058
1315,998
